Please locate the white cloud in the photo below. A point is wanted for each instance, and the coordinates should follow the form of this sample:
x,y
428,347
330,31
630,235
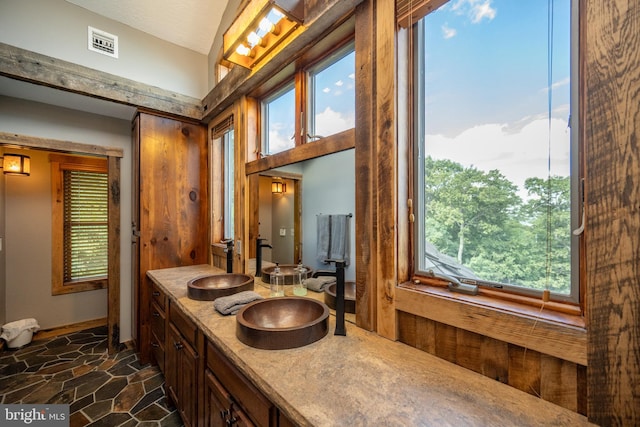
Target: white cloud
x,y
447,32
330,122
481,11
352,76
518,155
339,83
556,85
476,10
326,90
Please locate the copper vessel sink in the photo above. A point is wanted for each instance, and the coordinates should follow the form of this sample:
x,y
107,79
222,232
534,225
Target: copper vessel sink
x,y
287,271
281,323
349,296
208,288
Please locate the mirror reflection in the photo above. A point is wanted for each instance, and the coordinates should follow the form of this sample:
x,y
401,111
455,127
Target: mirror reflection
x,y
291,201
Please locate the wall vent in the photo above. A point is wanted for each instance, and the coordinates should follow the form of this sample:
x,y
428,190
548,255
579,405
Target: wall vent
x,y
103,42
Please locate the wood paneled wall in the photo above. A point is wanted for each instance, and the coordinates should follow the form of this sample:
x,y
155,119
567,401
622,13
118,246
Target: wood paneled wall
x,y
612,133
548,377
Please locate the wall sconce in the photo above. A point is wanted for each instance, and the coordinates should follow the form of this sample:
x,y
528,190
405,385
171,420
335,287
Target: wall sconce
x,y
16,164
278,187
261,26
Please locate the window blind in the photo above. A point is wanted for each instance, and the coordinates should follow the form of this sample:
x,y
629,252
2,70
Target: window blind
x,y
408,12
85,225
221,128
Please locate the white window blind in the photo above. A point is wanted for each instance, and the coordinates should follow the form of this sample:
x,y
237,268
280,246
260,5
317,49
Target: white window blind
x,y
85,225
408,12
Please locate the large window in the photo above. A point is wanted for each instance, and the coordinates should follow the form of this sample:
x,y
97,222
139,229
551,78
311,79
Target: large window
x,y
279,114
223,180
497,140
318,102
80,213
332,98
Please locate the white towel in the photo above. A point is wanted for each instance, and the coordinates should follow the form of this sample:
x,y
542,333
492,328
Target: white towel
x,y
334,237
233,303
317,284
13,329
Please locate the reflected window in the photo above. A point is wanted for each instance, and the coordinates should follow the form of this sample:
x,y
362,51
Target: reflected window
x,y
279,113
228,153
332,95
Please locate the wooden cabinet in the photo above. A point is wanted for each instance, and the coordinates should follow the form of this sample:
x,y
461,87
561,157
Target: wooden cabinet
x,y
181,374
230,397
170,204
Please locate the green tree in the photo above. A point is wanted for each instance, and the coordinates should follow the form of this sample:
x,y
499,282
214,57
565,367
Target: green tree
x,y
478,218
466,206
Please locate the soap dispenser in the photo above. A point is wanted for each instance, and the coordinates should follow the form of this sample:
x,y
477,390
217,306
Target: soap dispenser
x,y
276,282
299,277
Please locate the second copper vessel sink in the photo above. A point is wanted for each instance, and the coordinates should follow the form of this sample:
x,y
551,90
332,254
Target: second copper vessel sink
x,y
281,323
287,270
208,288
349,296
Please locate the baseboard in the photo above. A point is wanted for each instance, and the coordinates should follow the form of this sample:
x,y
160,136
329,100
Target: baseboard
x,y
67,329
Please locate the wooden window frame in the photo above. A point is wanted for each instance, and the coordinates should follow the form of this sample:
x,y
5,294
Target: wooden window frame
x,y
299,75
60,163
565,312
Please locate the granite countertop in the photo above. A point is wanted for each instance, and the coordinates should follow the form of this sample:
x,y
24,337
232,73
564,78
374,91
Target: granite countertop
x,y
362,379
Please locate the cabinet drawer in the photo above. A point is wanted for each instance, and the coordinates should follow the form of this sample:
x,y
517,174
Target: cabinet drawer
x,y
158,296
258,407
183,324
158,322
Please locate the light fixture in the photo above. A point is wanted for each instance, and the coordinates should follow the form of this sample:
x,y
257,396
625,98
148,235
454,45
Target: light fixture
x,y
278,187
16,164
261,26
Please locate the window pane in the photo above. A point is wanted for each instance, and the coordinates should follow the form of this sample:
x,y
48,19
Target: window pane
x,y
496,164
280,113
86,216
332,103
227,141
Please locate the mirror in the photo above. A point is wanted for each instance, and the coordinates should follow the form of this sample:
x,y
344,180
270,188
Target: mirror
x,y
288,220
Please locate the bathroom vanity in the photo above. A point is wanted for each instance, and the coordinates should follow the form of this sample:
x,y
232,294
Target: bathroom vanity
x,y
357,379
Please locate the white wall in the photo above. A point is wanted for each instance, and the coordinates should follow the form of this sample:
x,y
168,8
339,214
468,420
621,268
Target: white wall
x,y
58,28
328,187
28,219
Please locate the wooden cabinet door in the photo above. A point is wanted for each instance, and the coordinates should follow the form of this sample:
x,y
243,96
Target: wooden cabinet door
x,y
181,378
220,409
170,190
188,384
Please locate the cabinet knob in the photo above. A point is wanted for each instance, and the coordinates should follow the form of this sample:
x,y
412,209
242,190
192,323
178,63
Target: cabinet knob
x,y
178,345
155,293
154,345
155,314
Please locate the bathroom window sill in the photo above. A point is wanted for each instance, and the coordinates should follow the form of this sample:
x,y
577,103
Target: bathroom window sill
x,y
547,331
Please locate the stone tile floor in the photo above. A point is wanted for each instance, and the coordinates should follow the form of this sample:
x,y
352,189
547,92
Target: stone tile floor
x,y
101,389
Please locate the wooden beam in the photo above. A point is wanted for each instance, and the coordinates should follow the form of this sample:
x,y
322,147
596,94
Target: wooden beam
x,y
331,144
320,17
386,183
612,228
44,70
365,169
113,292
12,139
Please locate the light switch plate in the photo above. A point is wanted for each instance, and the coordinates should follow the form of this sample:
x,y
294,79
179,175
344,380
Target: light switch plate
x,y
283,232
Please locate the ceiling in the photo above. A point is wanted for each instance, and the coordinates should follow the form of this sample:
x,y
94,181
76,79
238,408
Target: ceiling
x,y
188,23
